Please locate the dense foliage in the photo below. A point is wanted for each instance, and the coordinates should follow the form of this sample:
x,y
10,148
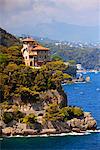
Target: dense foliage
x,y
9,55
29,119
21,86
26,83
56,58
7,117
53,113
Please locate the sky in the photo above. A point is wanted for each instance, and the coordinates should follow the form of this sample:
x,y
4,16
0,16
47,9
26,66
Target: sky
x,y
18,16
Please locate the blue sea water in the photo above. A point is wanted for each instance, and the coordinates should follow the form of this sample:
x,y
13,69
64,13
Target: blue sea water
x,y
85,95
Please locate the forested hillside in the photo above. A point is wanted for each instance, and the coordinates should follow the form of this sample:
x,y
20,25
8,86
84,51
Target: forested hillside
x,y
33,100
89,57
15,75
7,39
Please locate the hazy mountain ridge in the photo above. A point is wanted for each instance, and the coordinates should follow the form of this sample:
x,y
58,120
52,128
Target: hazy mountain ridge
x,y
69,32
86,54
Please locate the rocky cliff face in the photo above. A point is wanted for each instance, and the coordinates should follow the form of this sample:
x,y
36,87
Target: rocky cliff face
x,y
52,96
54,127
76,124
46,98
86,123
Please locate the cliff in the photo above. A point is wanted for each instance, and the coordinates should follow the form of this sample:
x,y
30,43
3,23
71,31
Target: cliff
x,y
51,115
33,101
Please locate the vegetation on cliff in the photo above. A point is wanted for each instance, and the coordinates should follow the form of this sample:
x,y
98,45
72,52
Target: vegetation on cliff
x,y
26,83
33,96
53,113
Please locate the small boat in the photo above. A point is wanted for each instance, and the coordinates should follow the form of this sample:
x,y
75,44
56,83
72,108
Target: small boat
x,y
87,79
1,139
84,72
98,89
96,71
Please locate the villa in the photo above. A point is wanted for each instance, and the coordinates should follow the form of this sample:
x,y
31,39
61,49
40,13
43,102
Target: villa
x,y
33,53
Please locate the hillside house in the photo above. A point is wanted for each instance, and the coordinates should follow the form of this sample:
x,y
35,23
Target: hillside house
x,y
34,54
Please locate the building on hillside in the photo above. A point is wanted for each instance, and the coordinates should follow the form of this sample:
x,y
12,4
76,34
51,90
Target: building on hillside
x,y
79,66
33,53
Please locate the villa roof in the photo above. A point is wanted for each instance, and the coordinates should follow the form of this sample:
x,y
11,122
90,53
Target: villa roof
x,y
28,40
41,48
36,46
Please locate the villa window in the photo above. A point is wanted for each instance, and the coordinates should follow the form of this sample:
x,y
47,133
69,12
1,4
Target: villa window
x,y
31,63
30,56
45,56
23,50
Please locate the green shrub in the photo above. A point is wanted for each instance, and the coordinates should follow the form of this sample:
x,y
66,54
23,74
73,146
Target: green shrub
x,y
67,76
77,111
3,59
18,115
29,119
52,108
64,113
27,95
53,113
7,117
56,58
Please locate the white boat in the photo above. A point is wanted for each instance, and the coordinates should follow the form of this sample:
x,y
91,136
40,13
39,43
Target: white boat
x,y
98,89
96,71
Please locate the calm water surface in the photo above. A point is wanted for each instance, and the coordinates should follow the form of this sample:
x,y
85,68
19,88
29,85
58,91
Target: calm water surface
x,y
86,96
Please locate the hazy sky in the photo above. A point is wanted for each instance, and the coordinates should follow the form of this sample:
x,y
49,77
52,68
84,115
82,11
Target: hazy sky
x,y
16,15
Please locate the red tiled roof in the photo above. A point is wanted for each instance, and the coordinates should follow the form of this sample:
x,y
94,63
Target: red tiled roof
x,y
39,47
36,46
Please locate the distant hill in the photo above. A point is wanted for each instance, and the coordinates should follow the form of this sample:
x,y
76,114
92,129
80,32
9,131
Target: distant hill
x,y
89,57
63,31
7,39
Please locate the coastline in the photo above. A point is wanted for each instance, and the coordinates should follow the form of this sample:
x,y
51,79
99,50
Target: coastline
x,y
86,71
78,126
54,135
75,125
89,138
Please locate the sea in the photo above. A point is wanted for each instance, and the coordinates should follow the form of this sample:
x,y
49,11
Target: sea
x,y
85,95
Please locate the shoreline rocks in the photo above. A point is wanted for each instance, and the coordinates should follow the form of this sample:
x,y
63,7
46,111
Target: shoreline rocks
x,y
74,125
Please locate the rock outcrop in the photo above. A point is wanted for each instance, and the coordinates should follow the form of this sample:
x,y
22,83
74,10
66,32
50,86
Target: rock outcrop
x,y
76,124
54,127
52,96
87,123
